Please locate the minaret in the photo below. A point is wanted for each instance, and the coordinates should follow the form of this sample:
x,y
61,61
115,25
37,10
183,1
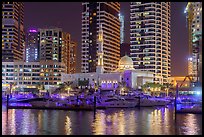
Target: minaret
x,y
99,67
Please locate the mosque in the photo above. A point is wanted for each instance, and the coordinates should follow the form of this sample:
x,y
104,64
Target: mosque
x,y
110,81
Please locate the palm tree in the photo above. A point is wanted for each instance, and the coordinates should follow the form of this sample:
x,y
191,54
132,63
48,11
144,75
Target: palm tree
x,y
151,85
66,86
167,86
40,86
145,87
11,85
122,86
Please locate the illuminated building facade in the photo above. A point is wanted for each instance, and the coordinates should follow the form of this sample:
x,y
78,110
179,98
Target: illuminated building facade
x,y
68,53
12,31
109,80
32,46
93,14
122,27
125,72
31,74
150,38
194,18
50,44
72,52
65,50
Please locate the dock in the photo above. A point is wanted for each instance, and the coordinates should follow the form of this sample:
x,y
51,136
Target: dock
x,y
76,108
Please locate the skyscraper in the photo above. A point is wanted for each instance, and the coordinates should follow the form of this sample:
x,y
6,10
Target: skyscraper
x,y
69,53
150,38
50,42
122,27
93,14
32,46
72,52
194,18
65,50
12,31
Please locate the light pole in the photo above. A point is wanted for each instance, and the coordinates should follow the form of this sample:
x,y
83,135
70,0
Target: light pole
x,y
68,90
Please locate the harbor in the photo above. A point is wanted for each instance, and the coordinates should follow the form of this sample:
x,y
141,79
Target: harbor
x,y
95,101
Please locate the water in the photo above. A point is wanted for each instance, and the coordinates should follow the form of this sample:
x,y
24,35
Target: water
x,y
134,121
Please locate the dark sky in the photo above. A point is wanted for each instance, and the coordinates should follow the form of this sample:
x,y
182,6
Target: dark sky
x,y
67,15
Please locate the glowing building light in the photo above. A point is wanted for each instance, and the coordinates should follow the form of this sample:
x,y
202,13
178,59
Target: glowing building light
x,y
190,59
32,30
198,92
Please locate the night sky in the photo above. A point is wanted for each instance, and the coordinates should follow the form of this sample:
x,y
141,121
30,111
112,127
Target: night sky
x,y
67,15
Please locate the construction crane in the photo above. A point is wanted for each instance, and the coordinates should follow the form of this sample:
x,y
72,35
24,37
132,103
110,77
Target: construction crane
x,y
190,77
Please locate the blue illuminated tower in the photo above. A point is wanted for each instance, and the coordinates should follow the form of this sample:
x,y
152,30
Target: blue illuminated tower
x,y
122,25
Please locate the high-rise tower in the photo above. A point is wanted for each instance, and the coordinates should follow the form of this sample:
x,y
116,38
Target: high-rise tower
x,y
99,67
194,19
150,38
50,41
12,31
68,53
93,14
122,27
32,46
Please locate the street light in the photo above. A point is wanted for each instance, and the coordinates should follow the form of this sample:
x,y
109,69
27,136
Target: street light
x,y
122,90
68,90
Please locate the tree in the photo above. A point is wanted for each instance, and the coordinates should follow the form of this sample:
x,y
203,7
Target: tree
x,y
167,86
40,86
11,86
122,86
64,87
151,86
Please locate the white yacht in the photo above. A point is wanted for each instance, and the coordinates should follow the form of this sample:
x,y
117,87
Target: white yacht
x,y
161,101
116,103
147,100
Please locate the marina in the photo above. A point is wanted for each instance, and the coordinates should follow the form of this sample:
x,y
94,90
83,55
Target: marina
x,y
111,121
99,101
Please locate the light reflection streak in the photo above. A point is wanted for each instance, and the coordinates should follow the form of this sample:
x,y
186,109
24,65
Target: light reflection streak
x,y
13,121
150,121
40,119
155,123
121,123
4,124
190,125
99,123
25,124
131,121
68,129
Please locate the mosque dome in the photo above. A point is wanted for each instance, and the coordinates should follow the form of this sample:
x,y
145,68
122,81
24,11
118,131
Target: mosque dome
x,y
125,60
125,63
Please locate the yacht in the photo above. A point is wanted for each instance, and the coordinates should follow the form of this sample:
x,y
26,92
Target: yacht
x,y
44,103
161,101
146,100
116,103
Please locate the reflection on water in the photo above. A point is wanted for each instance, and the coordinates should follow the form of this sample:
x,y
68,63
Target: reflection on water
x,y
143,121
